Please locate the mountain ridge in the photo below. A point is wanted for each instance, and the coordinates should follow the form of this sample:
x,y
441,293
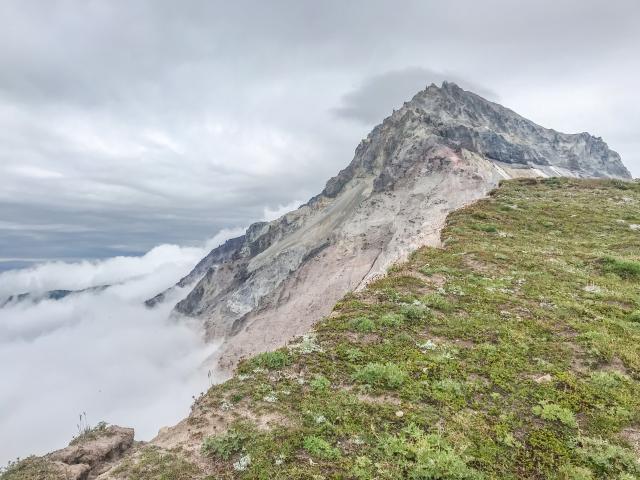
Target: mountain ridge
x,y
444,148
511,352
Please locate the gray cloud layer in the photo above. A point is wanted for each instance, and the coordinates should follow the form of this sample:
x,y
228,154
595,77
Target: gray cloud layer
x,y
124,124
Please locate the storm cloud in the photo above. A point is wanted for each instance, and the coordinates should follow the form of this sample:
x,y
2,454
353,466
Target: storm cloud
x,y
125,124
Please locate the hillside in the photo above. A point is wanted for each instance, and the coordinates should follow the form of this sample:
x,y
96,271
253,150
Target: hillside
x,y
512,352
443,149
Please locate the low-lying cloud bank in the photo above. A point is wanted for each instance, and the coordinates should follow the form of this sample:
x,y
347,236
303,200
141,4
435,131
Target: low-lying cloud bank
x,y
102,353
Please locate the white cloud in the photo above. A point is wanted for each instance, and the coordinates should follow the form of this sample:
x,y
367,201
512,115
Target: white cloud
x,y
101,353
162,264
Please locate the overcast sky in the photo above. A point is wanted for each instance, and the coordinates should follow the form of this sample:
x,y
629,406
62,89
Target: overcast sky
x,y
127,124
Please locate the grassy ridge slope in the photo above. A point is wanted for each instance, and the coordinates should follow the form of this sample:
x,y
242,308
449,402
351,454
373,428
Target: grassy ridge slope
x,y
511,353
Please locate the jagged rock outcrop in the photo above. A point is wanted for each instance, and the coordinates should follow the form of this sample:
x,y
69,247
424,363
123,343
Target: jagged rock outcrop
x,y
441,150
89,456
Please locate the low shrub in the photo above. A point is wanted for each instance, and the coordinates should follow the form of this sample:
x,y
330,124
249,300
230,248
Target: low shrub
x,y
448,391
32,468
320,383
229,443
320,448
438,302
428,456
622,268
606,459
387,375
415,312
488,228
391,320
154,463
271,360
634,317
554,412
362,324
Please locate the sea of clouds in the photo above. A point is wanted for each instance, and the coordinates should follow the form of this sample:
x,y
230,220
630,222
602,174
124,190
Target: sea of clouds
x,y
101,352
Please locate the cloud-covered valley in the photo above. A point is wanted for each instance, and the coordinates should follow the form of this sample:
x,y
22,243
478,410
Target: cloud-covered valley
x,y
103,353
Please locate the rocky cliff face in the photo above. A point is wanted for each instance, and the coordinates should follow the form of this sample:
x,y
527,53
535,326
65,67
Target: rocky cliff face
x,y
443,149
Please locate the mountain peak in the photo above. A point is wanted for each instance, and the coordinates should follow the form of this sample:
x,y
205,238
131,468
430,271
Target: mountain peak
x,y
445,148
453,119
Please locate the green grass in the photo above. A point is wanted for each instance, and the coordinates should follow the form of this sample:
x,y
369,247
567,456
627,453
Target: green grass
x,y
622,267
269,360
154,464
362,324
101,429
553,412
320,448
32,468
512,353
228,443
387,375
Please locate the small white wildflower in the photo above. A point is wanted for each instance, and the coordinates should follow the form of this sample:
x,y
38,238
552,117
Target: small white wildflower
x,y
308,344
399,414
271,398
319,419
592,289
242,464
301,381
428,345
457,291
447,355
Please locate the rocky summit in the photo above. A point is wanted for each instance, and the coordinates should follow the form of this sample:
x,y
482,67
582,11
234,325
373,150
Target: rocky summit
x,y
445,148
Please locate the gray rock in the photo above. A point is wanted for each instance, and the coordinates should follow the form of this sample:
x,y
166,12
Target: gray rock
x,y
89,456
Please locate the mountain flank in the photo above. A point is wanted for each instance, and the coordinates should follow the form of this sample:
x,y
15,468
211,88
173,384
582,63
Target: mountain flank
x,y
444,149
510,352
